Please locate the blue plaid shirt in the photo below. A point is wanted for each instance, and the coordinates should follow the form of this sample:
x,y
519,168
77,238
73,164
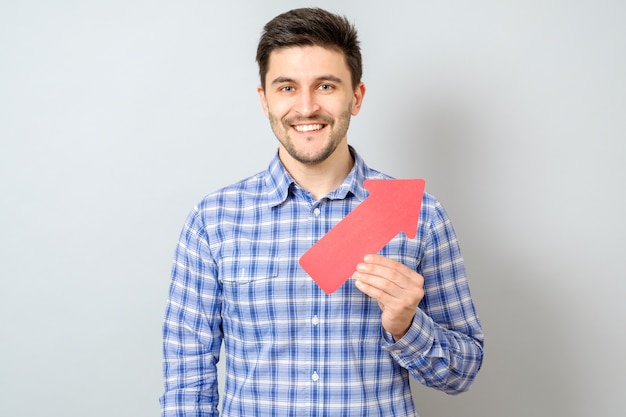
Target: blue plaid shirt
x,y
291,349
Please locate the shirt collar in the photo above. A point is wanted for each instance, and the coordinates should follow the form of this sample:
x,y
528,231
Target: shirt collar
x,y
278,181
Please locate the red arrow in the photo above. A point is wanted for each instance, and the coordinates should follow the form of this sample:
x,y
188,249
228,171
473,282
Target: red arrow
x,y
393,206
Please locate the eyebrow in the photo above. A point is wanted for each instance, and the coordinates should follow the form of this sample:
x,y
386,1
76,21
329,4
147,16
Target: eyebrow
x,y
333,78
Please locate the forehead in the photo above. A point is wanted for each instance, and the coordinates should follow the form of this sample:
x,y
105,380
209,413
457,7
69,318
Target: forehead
x,y
302,62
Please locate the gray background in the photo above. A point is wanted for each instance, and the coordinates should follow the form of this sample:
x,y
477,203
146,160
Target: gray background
x,y
116,117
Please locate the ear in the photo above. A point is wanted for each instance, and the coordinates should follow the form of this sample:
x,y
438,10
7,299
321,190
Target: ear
x,y
261,93
357,100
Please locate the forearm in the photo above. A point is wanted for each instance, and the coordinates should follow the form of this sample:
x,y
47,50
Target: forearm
x,y
443,359
189,402
188,392
190,372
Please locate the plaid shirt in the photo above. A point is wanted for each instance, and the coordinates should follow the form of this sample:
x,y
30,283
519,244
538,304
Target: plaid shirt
x,y
291,349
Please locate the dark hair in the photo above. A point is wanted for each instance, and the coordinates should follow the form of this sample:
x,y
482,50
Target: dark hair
x,y
310,27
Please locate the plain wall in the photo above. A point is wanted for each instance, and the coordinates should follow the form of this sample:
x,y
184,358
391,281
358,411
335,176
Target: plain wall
x,y
116,117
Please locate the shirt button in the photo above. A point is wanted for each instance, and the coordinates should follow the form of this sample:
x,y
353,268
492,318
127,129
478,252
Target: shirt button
x,y
315,377
315,320
316,211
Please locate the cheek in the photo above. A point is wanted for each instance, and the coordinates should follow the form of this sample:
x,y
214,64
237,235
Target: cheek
x,y
274,122
278,109
339,107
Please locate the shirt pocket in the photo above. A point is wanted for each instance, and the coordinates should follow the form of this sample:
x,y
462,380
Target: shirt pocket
x,y
241,271
248,290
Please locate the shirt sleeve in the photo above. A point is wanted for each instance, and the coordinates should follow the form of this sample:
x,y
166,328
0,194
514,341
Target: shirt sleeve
x,y
443,348
192,333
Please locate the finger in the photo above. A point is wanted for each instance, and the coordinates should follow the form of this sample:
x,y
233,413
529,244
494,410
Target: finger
x,y
374,259
378,294
395,274
379,287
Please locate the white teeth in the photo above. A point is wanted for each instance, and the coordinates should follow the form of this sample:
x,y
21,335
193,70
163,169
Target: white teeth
x,y
308,128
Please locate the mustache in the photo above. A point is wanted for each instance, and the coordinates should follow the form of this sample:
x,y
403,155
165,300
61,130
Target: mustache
x,y
309,119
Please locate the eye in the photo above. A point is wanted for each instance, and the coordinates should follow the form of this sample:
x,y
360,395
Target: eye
x,y
325,87
287,89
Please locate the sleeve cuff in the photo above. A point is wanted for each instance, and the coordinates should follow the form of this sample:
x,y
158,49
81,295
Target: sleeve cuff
x,y
415,343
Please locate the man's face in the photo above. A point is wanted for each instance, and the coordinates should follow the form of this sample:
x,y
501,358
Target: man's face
x,y
309,101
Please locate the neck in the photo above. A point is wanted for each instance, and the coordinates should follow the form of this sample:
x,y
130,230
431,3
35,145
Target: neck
x,y
321,178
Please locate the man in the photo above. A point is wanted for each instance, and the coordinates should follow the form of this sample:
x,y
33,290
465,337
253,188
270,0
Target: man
x,y
290,348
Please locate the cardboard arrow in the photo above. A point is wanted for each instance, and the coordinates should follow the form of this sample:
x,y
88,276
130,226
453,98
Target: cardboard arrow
x,y
393,206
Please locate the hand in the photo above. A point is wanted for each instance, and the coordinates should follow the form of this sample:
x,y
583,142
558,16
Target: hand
x,y
397,288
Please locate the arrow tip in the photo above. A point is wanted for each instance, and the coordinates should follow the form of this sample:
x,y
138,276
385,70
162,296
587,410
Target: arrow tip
x,y
403,199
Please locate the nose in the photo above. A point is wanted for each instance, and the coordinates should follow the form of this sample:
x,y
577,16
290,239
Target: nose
x,y
306,104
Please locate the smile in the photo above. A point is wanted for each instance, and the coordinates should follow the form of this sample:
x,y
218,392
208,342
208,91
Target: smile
x,y
308,128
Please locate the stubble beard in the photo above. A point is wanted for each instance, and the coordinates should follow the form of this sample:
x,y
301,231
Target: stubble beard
x,y
338,130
